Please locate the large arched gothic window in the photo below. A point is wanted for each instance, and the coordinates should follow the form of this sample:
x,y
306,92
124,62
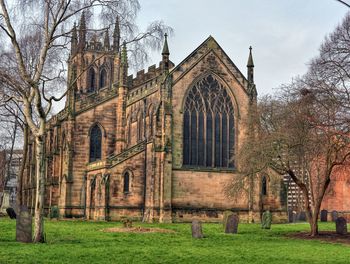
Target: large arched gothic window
x,y
103,78
91,80
208,135
95,143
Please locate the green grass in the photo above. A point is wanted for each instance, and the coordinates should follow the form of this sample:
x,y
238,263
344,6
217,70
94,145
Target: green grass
x,y
83,242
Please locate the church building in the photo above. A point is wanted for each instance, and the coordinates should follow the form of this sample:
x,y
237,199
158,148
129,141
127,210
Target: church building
x,y
158,146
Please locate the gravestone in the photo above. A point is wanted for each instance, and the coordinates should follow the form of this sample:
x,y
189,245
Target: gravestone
x,y
54,213
232,224
334,216
324,214
340,226
290,216
11,213
224,218
266,220
302,216
197,229
24,225
295,217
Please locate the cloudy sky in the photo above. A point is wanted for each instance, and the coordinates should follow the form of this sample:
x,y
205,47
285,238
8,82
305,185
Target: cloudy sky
x,y
285,34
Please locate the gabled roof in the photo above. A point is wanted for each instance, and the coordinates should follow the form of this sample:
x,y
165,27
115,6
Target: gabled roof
x,y
210,44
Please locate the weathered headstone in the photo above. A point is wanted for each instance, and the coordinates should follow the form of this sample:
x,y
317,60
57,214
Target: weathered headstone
x,y
295,216
24,225
197,229
340,226
324,214
224,218
11,213
302,216
334,216
54,213
290,216
232,224
266,220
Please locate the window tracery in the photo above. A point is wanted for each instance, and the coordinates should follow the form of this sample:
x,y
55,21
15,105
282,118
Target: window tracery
x,y
208,135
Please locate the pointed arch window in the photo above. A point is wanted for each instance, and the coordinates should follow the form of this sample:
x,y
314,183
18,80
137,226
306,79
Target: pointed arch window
x,y
95,143
91,80
208,131
103,78
126,182
264,186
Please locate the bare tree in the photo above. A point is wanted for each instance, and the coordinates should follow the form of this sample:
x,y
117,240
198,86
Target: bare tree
x,y
34,58
304,131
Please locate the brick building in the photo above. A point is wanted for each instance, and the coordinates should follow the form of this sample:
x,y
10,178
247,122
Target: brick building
x,y
158,146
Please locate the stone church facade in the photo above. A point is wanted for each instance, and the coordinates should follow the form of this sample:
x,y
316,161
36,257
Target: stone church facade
x,y
160,146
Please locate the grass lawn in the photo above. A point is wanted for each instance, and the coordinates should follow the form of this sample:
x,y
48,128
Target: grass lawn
x,y
83,242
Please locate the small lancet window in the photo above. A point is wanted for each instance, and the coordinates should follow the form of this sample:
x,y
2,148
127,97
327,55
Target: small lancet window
x,y
91,80
95,143
126,182
103,78
264,186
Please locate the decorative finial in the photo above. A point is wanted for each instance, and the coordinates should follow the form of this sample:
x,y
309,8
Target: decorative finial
x,y
106,41
74,41
165,50
124,54
82,31
250,66
250,58
116,35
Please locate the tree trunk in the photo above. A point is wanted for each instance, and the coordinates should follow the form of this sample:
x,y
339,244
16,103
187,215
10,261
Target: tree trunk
x,y
314,225
40,190
314,220
23,165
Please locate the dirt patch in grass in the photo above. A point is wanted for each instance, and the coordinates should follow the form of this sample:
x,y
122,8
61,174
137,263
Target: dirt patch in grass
x,y
327,236
137,229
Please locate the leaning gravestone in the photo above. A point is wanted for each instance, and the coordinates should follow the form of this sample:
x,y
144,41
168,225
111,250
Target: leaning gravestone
x,y
334,216
266,220
24,225
224,218
340,226
197,229
324,214
11,213
232,224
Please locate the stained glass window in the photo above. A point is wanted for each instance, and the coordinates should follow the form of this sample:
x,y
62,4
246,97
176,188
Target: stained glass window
x,y
208,131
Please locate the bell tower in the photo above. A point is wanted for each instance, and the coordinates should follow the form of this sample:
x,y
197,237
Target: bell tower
x,y
93,60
